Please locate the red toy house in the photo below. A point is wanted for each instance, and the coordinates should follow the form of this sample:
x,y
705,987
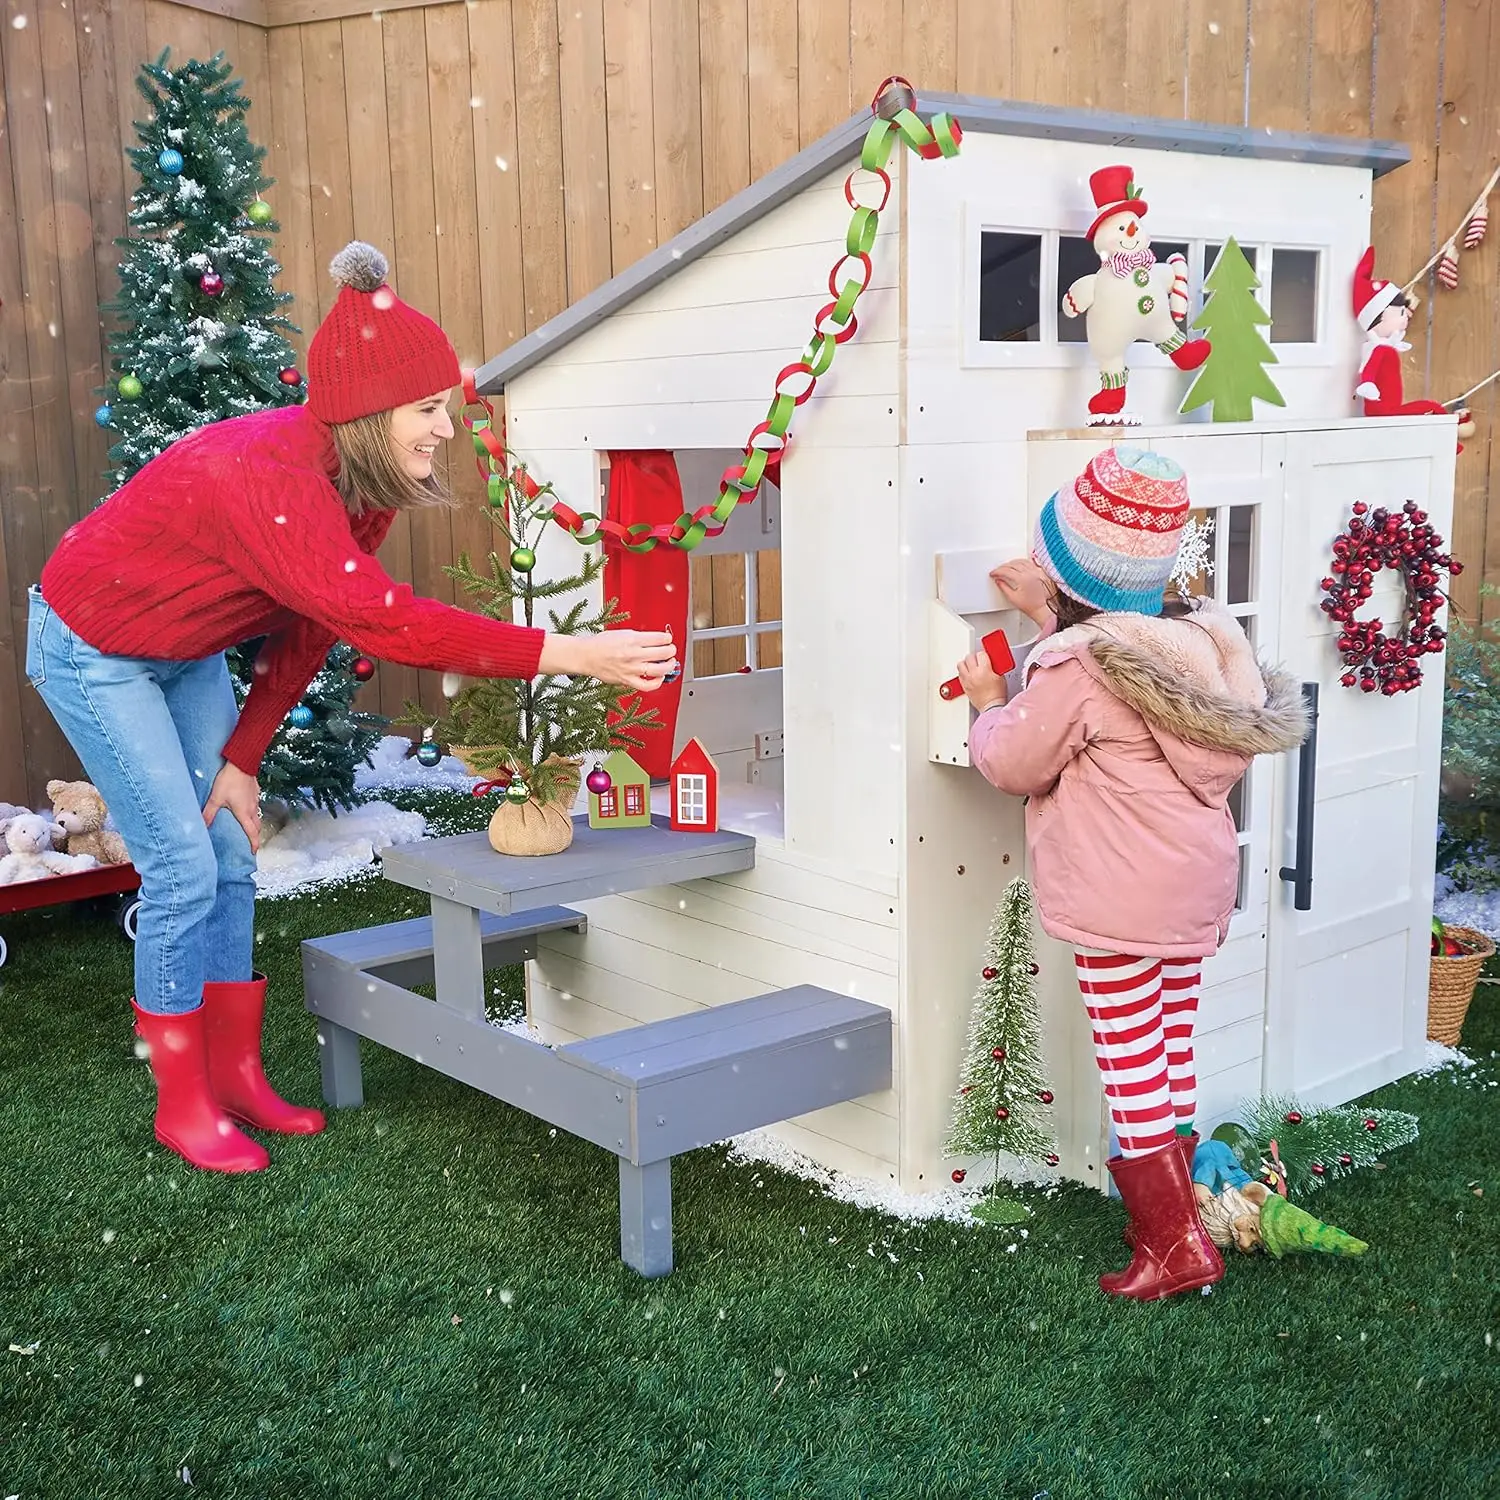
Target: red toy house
x,y
695,790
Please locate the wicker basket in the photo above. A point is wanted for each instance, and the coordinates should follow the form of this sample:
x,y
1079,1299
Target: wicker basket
x,y
1451,982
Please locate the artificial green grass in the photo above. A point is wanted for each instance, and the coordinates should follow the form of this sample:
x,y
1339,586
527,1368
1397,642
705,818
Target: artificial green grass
x,y
427,1301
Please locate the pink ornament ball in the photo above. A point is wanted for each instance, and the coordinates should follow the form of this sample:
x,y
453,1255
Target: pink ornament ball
x,y
598,781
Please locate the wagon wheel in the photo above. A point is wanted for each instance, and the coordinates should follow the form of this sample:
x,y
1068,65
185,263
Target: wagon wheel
x,y
4,951
128,914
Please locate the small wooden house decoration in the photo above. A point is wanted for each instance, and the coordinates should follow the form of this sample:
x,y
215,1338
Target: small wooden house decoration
x,y
627,803
695,790
923,459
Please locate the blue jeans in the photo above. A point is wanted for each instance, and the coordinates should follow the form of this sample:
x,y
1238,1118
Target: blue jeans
x,y
149,735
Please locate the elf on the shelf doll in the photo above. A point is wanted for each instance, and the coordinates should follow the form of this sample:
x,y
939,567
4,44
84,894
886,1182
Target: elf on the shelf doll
x,y
1383,310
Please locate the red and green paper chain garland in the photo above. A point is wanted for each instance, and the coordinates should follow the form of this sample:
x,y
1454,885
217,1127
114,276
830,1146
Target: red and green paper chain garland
x,y
835,323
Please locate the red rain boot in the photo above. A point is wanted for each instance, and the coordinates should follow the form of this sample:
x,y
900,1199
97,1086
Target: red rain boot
x,y
1190,355
1187,1144
1173,1252
1108,400
233,1013
188,1118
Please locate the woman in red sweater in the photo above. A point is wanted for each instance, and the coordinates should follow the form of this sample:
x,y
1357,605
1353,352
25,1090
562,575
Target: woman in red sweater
x,y
264,525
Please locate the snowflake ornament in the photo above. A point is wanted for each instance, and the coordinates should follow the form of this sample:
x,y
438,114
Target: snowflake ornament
x,y
1195,555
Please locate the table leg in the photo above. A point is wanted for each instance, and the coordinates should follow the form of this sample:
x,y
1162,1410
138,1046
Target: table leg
x,y
646,1217
458,957
343,1087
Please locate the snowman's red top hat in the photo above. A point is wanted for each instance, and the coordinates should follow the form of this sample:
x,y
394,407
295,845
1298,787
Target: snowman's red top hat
x,y
1114,192
1371,295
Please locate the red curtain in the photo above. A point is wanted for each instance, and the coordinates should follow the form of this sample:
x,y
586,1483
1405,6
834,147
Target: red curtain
x,y
651,587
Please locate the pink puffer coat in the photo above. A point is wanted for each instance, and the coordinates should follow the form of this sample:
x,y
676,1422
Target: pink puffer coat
x,y
1128,739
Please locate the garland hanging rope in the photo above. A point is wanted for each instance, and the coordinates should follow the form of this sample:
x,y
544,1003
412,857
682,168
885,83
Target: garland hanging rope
x,y
1401,540
1476,218
894,107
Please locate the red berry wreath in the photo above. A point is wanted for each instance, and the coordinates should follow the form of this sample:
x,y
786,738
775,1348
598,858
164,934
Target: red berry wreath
x,y
1387,539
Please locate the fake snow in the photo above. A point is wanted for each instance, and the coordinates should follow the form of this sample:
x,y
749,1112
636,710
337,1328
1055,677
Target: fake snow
x,y
391,767
1441,1058
315,848
1477,909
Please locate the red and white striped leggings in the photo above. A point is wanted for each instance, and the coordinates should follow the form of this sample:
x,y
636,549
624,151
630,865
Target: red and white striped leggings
x,y
1143,1010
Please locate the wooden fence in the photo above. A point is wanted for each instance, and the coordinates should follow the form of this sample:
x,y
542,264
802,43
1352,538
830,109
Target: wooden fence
x,y
512,154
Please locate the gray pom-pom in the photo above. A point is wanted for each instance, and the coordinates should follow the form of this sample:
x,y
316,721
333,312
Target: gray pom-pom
x,y
359,265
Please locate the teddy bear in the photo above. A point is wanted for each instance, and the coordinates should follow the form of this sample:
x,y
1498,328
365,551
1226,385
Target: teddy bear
x,y
79,810
32,857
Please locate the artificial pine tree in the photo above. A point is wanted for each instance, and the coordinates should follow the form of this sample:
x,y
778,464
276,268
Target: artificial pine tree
x,y
1003,1103
202,333
529,735
1233,377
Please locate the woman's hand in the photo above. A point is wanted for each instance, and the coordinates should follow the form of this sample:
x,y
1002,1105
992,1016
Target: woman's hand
x,y
1025,587
637,659
240,793
982,685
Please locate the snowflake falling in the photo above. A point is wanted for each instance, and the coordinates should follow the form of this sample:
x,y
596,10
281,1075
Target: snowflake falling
x,y
1195,555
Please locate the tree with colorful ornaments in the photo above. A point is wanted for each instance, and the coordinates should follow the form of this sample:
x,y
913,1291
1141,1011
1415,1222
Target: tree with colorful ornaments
x,y
1130,297
1003,1104
202,334
1375,658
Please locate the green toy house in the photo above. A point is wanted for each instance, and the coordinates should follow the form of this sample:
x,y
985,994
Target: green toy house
x,y
627,803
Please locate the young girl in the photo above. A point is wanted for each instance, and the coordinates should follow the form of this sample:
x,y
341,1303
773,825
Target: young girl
x,y
1130,733
262,525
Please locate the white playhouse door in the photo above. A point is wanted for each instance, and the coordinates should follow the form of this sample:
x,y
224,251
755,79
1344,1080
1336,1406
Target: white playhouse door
x,y
1347,1001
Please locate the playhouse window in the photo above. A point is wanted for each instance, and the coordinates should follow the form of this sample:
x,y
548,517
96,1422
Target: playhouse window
x,y
735,625
1010,287
1294,296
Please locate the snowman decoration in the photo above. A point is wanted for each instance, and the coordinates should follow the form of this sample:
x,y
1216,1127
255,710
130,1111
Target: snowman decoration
x,y
1130,297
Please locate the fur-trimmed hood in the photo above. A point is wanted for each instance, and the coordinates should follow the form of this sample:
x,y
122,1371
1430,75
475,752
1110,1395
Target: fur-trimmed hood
x,y
1193,678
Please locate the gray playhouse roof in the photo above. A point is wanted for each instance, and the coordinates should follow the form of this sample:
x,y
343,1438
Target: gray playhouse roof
x,y
989,116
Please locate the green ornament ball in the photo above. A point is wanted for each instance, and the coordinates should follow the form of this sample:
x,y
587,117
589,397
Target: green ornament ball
x,y
130,388
517,791
259,212
523,559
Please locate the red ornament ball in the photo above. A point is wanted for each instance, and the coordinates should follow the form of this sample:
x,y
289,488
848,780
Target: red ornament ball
x,y
1045,1096
989,971
1345,1160
1293,1117
1052,1158
998,1053
959,1174
1372,1124
290,376
1033,970
211,284
1001,1112
1318,1169
363,669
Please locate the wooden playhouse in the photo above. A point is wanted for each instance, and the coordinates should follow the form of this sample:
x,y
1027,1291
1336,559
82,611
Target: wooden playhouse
x,y
822,621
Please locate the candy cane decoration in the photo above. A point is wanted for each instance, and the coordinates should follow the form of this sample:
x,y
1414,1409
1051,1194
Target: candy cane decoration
x,y
1476,210
1477,226
1447,267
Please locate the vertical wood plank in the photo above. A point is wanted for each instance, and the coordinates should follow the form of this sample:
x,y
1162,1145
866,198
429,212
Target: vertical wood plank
x,y
724,97
540,158
1095,75
498,182
1156,59
250,55
632,145
822,67
983,42
1038,47
328,160
676,116
931,29
880,46
1343,39
585,143
772,84
291,197
1218,56
187,32
1280,63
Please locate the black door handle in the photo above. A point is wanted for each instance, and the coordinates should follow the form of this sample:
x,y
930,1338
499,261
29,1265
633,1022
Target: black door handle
x,y
1300,875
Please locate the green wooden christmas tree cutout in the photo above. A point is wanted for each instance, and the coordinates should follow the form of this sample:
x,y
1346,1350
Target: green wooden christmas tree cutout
x,y
1233,377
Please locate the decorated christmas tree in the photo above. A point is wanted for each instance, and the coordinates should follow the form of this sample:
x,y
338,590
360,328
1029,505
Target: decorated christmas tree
x,y
201,335
1233,377
1003,1105
529,737
201,339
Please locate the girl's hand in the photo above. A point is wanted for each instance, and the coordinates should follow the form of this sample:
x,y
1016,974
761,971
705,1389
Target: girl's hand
x,y
240,793
637,659
983,687
1025,587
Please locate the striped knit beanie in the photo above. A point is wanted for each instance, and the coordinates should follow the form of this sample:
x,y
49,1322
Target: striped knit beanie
x,y
373,352
1110,539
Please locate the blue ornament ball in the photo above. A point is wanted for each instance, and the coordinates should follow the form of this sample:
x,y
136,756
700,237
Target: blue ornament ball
x,y
103,416
428,754
302,716
170,162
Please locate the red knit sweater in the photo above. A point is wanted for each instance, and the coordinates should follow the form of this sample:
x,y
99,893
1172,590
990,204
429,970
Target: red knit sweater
x,y
237,531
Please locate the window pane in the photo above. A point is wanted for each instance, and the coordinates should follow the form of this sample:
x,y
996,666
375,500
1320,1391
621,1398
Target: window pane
x,y
1237,804
1164,250
1244,880
1241,549
767,586
1203,585
768,648
719,657
718,590
1075,258
1294,296
1010,279
1211,254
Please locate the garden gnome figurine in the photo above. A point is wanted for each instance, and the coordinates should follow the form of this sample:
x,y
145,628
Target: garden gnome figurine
x,y
1130,297
1383,310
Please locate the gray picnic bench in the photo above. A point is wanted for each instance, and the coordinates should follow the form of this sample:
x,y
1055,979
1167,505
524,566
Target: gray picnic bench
x,y
644,1094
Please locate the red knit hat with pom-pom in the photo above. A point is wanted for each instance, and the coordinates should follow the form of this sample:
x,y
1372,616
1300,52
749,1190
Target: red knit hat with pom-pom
x,y
373,352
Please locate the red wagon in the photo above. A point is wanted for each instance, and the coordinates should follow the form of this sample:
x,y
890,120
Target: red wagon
x,y
87,885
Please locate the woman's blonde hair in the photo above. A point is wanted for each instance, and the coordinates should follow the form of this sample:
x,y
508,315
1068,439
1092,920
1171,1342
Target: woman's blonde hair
x,y
371,476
